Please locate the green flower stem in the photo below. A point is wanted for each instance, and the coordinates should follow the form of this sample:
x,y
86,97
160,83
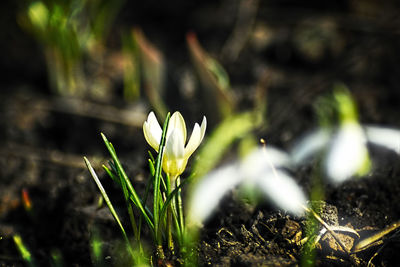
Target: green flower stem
x,y
157,193
172,206
179,207
170,241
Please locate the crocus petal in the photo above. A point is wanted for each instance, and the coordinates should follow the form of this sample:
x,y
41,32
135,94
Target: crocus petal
x,y
347,154
386,137
196,137
209,192
194,141
152,131
309,145
283,191
203,128
174,147
174,161
177,122
175,167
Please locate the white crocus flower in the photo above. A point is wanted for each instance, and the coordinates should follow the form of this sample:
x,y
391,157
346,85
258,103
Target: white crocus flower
x,y
177,152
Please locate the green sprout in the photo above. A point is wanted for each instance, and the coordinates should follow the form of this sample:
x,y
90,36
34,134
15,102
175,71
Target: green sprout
x,y
213,76
132,70
23,250
151,62
56,258
69,32
166,219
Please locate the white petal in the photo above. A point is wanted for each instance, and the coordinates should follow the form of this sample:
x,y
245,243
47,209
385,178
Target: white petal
x,y
152,131
194,141
310,145
209,192
203,128
386,137
347,154
262,160
174,162
177,122
174,147
283,191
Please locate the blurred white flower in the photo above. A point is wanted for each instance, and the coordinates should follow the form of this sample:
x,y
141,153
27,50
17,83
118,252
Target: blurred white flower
x,y
309,145
257,170
385,137
210,190
176,153
346,148
283,191
348,155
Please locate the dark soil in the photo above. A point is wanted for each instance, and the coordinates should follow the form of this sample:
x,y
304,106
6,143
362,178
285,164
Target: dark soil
x,y
300,49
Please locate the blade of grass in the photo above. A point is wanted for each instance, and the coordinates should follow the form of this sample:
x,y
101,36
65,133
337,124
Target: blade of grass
x,y
170,198
157,178
132,69
154,71
115,178
153,171
108,202
112,173
151,156
130,210
134,197
213,76
23,250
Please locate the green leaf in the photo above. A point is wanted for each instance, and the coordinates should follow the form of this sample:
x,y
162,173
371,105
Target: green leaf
x,y
229,130
213,77
170,197
23,250
109,204
133,195
112,174
157,178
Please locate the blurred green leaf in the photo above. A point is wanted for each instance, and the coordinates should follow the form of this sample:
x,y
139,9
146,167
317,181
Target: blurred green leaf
x,y
38,15
23,250
229,130
131,68
153,70
213,77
